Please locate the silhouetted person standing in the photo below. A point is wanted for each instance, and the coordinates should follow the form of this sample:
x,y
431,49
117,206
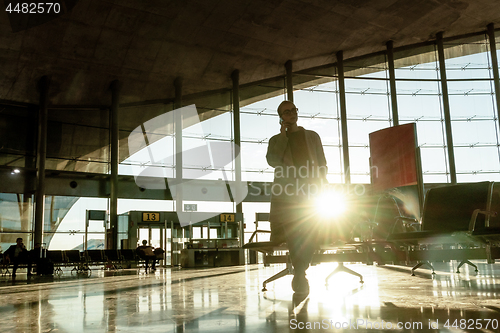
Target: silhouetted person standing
x,y
299,170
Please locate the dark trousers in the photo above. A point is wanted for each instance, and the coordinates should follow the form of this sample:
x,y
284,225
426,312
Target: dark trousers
x,y
23,258
147,259
298,227
301,238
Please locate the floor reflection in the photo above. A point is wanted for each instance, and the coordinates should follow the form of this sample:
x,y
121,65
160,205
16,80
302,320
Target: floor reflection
x,y
230,299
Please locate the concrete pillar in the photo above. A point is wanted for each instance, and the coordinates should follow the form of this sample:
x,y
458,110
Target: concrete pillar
x,y
392,83
343,116
289,80
26,201
114,142
235,76
41,154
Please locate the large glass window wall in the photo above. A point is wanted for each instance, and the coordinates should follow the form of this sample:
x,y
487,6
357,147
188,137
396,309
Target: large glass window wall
x,y
148,133
259,121
368,110
15,219
65,223
69,213
419,101
472,109
214,126
79,140
319,111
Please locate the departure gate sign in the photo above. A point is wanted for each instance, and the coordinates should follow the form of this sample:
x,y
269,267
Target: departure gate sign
x,y
150,217
227,217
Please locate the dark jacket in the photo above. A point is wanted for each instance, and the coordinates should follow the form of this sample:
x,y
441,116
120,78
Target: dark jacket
x,y
145,251
11,252
279,156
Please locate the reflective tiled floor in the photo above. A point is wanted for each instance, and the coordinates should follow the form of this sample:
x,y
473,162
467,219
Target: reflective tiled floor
x,y
230,299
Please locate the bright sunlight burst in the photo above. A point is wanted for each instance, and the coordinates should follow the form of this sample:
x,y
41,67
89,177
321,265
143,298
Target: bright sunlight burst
x,y
330,204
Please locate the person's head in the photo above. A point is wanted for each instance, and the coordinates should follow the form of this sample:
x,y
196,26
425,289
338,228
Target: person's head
x,y
288,112
19,241
144,242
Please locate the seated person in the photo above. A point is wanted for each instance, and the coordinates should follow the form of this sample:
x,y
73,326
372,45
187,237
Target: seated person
x,y
147,253
17,254
159,253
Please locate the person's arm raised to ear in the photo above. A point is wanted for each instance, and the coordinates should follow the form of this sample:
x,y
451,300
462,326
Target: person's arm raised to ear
x,y
276,150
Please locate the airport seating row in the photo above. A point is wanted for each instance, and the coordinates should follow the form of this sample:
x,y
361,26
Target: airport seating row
x,y
81,261
458,222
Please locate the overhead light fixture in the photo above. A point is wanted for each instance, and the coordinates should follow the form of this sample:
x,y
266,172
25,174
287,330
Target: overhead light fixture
x,y
15,171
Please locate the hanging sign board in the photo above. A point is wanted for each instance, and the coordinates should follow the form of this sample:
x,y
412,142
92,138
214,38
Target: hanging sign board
x,y
150,217
225,217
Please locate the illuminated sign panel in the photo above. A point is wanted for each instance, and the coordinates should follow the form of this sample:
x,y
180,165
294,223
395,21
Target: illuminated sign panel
x,y
227,217
150,217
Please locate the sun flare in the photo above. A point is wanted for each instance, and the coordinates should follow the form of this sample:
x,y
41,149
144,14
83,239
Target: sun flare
x,y
331,204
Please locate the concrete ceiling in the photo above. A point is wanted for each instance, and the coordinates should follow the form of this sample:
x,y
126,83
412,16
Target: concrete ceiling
x,y
146,44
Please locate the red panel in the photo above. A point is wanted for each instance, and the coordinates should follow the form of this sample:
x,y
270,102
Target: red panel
x,y
393,157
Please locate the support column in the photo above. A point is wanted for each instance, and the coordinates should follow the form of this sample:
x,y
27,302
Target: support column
x,y
392,83
26,202
178,143
114,142
41,154
494,65
343,116
446,108
289,81
235,76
